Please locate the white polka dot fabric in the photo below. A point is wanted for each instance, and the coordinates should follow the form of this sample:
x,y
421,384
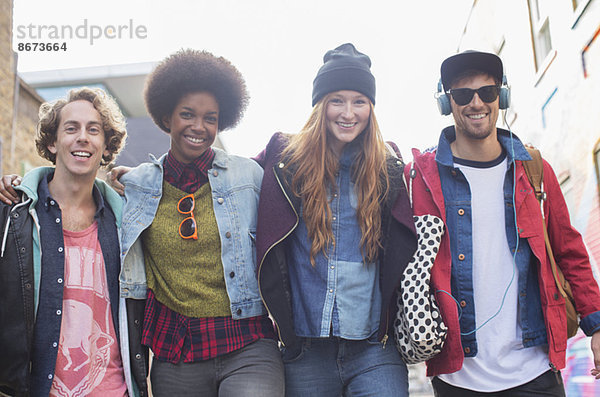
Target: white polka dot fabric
x,y
419,330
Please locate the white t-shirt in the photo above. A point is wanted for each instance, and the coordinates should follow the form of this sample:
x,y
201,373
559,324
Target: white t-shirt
x,y
501,362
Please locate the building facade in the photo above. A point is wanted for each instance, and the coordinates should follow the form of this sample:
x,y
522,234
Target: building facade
x,y
551,54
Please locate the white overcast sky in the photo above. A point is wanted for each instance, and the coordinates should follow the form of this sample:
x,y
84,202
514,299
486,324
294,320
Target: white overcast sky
x,y
278,45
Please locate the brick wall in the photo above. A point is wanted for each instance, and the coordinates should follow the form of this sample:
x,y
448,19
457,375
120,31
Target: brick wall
x,y
25,153
7,79
17,147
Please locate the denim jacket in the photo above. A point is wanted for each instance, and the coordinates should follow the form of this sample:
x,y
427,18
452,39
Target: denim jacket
x,y
235,185
457,195
430,167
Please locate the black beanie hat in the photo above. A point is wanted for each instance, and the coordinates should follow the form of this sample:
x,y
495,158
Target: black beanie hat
x,y
344,68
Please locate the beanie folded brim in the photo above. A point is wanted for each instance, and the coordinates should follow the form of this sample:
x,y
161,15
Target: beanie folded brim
x,y
347,78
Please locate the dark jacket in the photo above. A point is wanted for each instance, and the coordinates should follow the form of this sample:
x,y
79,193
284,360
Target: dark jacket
x,y
278,211
19,253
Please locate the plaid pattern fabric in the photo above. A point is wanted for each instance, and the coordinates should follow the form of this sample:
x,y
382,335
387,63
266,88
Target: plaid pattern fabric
x,y
173,336
188,177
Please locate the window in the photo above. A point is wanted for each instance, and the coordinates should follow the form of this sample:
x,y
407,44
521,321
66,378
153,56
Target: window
x,y
590,55
579,7
540,31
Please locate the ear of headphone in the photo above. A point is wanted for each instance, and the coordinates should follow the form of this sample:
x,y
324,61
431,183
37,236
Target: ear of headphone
x,y
443,100
504,95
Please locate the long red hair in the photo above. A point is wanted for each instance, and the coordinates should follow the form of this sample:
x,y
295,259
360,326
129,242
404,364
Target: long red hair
x,y
315,164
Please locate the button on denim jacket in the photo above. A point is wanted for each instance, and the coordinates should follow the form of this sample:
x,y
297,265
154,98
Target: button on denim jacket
x,y
235,184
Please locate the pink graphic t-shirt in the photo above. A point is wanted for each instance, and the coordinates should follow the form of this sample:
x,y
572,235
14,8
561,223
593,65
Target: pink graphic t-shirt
x,y
89,360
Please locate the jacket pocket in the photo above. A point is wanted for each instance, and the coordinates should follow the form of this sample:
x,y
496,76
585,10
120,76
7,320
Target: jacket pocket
x,y
557,320
252,235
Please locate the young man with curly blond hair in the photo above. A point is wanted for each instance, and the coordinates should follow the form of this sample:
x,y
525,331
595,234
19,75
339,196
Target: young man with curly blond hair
x,y
64,328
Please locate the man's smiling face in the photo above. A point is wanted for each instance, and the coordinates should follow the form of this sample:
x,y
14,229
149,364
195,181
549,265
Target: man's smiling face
x,y
80,142
476,119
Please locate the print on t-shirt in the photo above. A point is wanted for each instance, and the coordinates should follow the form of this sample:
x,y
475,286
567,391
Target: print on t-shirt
x,y
88,361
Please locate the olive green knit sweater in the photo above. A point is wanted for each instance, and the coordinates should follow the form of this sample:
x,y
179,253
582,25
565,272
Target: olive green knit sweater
x,y
186,275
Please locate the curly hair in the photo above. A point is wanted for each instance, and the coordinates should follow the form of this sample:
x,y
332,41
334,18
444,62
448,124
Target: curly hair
x,y
314,164
188,71
113,122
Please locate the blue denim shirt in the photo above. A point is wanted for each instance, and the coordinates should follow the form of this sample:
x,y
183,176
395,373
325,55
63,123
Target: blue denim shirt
x,y
235,184
340,294
457,195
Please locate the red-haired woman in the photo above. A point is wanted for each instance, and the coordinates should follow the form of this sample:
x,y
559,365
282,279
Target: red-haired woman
x,y
334,233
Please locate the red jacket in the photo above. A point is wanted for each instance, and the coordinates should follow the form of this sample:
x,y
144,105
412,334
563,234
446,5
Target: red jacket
x,y
567,244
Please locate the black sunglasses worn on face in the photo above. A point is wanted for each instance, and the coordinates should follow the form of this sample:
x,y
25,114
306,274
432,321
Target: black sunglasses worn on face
x,y
464,96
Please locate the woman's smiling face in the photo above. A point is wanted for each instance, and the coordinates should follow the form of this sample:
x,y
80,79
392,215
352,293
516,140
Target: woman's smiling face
x,y
347,115
193,125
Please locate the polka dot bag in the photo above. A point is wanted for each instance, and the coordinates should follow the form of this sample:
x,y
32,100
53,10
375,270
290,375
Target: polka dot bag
x,y
419,330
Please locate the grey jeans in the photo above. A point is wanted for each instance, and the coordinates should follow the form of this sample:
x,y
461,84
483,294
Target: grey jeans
x,y
254,371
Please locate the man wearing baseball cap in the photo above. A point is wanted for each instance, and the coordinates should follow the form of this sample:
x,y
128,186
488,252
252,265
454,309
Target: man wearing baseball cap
x,y
507,330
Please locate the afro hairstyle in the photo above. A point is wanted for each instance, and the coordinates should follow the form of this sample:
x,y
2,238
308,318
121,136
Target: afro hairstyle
x,y
188,71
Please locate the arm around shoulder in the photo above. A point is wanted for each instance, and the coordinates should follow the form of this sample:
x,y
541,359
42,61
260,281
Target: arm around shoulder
x,y
272,152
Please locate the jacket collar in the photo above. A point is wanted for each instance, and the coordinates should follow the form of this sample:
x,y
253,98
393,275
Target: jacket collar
x,y
221,159
31,181
284,178
515,150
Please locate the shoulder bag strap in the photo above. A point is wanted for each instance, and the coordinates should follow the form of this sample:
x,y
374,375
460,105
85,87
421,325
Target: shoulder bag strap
x,y
534,169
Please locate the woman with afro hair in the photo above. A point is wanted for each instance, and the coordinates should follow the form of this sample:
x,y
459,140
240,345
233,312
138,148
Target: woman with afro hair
x,y
188,230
